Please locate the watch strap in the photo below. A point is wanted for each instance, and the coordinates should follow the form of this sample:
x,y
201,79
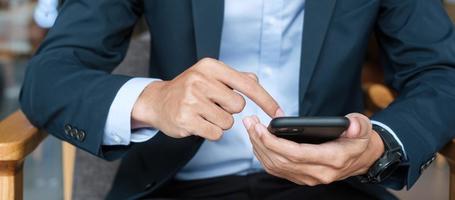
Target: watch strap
x,y
390,143
392,154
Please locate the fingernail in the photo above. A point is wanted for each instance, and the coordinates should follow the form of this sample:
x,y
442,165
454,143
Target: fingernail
x,y
279,113
247,122
353,129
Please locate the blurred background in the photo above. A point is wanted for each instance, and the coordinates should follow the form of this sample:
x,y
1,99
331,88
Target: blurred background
x,y
20,35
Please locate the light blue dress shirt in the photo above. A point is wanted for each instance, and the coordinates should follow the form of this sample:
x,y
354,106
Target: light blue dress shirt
x,y
259,36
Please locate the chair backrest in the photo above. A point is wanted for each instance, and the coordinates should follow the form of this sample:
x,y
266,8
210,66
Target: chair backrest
x,y
93,176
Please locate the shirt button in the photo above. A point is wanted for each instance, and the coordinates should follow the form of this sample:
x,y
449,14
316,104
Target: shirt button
x,y
116,138
272,22
268,71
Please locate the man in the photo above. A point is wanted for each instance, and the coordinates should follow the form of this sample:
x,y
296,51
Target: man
x,y
181,134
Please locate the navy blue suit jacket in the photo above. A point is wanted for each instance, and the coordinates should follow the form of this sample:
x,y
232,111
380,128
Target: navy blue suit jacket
x,y
68,81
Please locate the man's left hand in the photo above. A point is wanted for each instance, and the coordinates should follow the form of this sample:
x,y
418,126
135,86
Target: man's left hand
x,y
310,164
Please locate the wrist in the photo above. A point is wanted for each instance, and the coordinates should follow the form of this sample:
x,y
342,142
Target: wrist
x,y
376,150
377,144
145,110
389,161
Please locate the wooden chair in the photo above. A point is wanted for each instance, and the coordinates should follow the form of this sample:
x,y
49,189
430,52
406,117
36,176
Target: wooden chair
x,y
450,7
18,138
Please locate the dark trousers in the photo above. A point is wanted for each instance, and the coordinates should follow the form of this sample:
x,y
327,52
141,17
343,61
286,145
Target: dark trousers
x,y
264,186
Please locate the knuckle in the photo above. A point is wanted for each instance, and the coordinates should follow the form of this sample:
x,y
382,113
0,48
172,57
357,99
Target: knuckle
x,y
199,84
294,158
327,178
310,183
217,133
254,76
206,60
214,137
253,81
214,134
182,133
181,119
193,78
228,122
205,63
188,102
337,163
269,144
239,104
281,163
250,85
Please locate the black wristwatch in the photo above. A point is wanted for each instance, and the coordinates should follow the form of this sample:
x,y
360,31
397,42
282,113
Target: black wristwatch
x,y
388,162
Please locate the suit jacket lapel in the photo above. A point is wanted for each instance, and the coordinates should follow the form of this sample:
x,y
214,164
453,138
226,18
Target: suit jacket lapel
x,y
208,22
318,14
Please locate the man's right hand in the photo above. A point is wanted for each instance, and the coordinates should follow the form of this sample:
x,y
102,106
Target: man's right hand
x,y
200,101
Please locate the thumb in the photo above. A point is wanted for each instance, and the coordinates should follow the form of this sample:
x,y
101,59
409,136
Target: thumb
x,y
359,126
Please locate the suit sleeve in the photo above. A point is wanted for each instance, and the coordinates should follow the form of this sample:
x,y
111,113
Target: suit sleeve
x,y
68,87
418,43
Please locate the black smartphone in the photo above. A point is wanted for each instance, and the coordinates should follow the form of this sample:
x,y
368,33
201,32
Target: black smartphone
x,y
312,130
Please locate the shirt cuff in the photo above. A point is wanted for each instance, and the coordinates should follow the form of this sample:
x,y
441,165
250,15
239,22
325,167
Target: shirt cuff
x,y
117,130
143,134
45,15
388,129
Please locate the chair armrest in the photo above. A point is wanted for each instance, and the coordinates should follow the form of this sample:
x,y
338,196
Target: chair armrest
x,y
449,154
377,97
449,151
18,138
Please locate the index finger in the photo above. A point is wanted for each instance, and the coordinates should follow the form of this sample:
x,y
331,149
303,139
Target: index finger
x,y
247,86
